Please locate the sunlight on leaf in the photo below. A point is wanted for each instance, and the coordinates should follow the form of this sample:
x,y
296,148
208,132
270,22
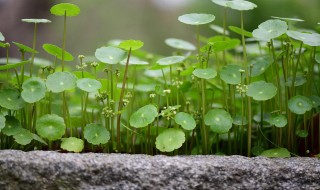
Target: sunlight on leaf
x,y
72,144
170,140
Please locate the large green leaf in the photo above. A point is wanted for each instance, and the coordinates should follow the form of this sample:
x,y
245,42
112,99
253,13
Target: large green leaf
x,y
219,120
241,5
300,104
311,39
51,127
261,90
61,81
72,144
208,73
170,140
143,116
96,134
259,65
276,153
11,99
230,74
67,9
278,120
110,55
34,89
88,85
196,18
186,120
270,29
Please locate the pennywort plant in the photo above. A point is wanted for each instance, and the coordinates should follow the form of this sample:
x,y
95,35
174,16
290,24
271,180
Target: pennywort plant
x,y
257,94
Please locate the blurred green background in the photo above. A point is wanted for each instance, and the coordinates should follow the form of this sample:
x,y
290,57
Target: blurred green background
x,y
151,21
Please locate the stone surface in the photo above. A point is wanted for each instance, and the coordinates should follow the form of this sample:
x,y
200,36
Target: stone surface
x,y
53,170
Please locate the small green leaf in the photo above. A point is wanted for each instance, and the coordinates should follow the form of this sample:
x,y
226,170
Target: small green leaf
x,y
88,85
186,120
51,127
302,133
37,21
208,73
23,137
241,5
11,99
13,126
24,48
12,65
300,104
131,44
61,81
270,29
278,120
259,66
72,144
65,8
34,89
238,120
180,44
312,39
143,116
299,81
196,18
219,45
219,120
110,55
171,60
170,140
240,31
57,52
96,134
1,37
276,153
230,74
261,90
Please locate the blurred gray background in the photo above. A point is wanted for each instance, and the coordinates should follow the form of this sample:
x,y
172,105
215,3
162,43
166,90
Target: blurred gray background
x,y
151,21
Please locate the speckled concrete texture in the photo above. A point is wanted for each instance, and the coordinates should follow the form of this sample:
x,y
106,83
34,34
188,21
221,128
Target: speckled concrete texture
x,y
53,170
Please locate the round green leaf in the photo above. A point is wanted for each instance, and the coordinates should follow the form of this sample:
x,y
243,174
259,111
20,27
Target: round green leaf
x,y
170,140
65,8
208,73
302,133
88,85
300,104
12,126
131,44
219,120
221,2
96,134
24,48
186,120
11,99
110,55
171,60
278,120
261,90
143,116
61,81
230,74
299,81
196,18
30,20
315,101
270,29
259,66
288,19
180,44
51,127
57,52
1,37
238,120
241,5
312,39
276,153
72,144
34,89
23,137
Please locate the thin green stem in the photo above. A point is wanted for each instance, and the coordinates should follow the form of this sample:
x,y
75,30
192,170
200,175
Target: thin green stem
x,y
64,40
34,48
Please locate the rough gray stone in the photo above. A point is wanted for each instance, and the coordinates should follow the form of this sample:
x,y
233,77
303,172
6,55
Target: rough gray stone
x,y
53,170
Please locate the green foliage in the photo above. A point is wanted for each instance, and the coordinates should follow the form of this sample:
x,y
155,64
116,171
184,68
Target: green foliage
x,y
170,140
219,120
67,9
88,85
33,90
185,120
143,116
180,44
276,153
51,127
205,73
261,90
72,144
61,81
57,52
96,134
196,18
110,55
11,99
131,44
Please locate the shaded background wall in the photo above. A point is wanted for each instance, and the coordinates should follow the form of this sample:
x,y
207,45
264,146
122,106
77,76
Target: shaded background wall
x,y
151,21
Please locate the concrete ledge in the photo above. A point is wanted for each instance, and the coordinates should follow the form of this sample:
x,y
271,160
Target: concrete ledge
x,y
52,170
